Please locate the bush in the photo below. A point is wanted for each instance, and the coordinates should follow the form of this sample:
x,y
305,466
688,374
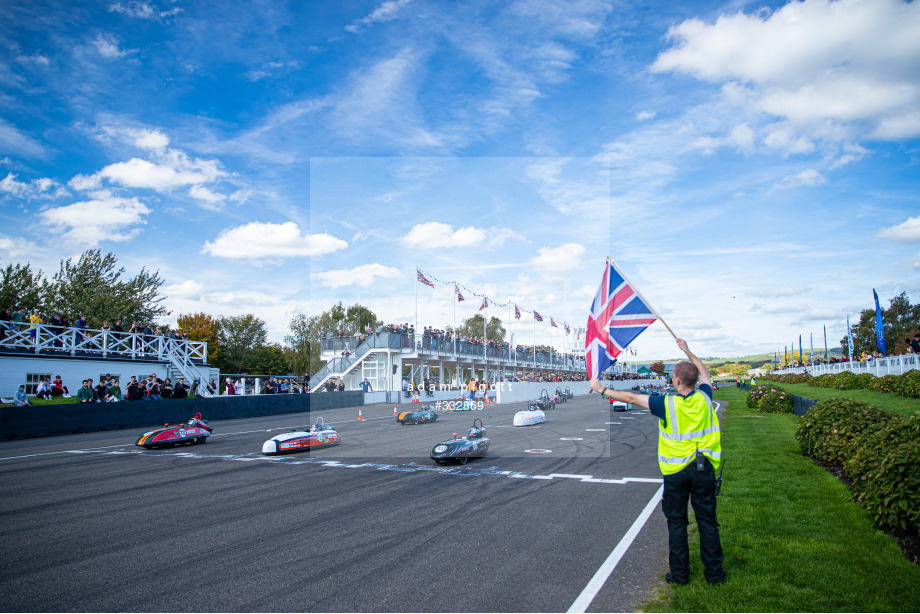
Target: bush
x,y
776,402
826,430
892,491
886,383
908,384
875,444
789,378
758,392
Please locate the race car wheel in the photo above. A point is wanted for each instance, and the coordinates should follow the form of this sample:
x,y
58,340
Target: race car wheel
x,y
438,461
463,460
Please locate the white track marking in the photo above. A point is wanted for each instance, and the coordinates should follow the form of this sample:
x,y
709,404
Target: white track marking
x,y
596,430
600,577
614,423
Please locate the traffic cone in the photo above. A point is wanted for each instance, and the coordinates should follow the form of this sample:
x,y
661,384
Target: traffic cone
x,y
360,417
394,411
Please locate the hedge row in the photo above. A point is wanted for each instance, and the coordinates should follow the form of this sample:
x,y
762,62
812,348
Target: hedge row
x,y
905,385
878,450
770,399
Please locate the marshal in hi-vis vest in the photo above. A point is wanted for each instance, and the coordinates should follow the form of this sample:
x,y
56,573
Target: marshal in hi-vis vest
x,y
692,424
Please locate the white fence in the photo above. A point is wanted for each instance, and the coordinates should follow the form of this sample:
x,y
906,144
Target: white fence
x,y
891,365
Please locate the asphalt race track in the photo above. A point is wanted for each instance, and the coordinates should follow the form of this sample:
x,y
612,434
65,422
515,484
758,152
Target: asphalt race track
x,y
93,523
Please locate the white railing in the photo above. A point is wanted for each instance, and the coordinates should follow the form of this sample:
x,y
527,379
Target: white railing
x,y
890,365
106,343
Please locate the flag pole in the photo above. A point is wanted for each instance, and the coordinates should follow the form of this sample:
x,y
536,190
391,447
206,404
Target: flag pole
x,y
636,290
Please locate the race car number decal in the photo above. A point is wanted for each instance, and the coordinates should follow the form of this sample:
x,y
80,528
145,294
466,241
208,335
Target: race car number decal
x,y
440,449
181,432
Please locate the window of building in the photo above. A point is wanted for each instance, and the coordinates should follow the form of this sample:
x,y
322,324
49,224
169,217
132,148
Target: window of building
x,y
32,381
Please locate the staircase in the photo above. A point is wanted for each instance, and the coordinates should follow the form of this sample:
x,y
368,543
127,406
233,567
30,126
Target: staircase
x,y
180,365
337,367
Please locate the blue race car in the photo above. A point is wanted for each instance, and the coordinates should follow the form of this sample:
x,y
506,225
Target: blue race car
x,y
474,445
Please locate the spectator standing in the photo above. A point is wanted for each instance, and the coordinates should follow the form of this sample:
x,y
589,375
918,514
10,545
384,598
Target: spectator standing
x,y
6,317
341,387
915,343
21,399
34,320
365,385
17,319
230,388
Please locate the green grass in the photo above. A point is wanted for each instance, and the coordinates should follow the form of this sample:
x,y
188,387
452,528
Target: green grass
x,y
794,541
882,400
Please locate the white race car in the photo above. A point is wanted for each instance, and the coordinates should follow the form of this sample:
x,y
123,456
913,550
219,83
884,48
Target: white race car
x,y
320,435
527,417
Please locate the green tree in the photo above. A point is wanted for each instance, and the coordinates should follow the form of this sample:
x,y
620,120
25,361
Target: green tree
x,y
238,337
472,327
202,327
899,321
94,287
19,286
268,360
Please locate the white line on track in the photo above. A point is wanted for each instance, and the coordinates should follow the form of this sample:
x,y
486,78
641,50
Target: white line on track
x,y
600,577
124,445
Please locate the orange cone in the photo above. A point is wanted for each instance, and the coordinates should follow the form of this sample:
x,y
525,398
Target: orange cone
x,y
360,417
394,411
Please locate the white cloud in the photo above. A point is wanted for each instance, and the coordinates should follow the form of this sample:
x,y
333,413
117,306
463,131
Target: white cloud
x,y
262,241
107,46
36,59
907,231
238,298
645,115
913,264
143,10
431,235
807,178
37,188
365,275
188,289
153,140
14,142
560,259
832,69
209,199
173,170
388,11
82,183
93,221
15,248
240,196
781,292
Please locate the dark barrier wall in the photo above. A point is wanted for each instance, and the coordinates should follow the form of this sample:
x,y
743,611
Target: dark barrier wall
x,y
800,405
46,420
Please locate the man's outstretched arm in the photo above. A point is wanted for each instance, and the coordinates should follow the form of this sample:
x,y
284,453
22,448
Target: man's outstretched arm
x,y
704,372
623,396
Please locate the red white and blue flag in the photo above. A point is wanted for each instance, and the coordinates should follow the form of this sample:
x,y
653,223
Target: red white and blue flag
x,y
552,323
517,313
567,329
423,279
537,317
459,296
485,303
618,315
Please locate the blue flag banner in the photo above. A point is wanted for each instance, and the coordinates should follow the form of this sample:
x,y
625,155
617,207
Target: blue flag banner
x,y
812,336
801,354
879,329
849,338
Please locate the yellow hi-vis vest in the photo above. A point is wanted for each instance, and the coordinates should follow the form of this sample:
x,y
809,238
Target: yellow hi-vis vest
x,y
692,424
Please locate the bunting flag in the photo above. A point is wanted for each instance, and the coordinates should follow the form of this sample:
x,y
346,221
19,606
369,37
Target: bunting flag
x,y
459,296
537,317
517,313
423,279
567,329
552,323
618,315
879,329
485,303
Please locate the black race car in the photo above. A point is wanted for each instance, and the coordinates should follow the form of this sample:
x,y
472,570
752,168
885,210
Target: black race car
x,y
545,401
425,414
474,445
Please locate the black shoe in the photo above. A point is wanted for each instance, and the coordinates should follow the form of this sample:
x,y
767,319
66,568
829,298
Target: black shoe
x,y
719,581
671,580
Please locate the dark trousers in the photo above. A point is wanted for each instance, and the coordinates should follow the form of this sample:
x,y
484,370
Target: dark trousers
x,y
699,488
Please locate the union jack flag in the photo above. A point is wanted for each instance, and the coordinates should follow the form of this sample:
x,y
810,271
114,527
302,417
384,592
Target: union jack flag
x,y
459,296
423,279
618,315
567,329
537,317
485,303
517,313
552,323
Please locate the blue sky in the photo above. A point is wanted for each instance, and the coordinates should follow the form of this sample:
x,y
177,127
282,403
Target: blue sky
x,y
754,168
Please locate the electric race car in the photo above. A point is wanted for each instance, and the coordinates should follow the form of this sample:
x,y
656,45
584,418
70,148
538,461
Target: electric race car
x,y
567,394
545,401
619,405
417,417
320,435
531,415
194,432
474,445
